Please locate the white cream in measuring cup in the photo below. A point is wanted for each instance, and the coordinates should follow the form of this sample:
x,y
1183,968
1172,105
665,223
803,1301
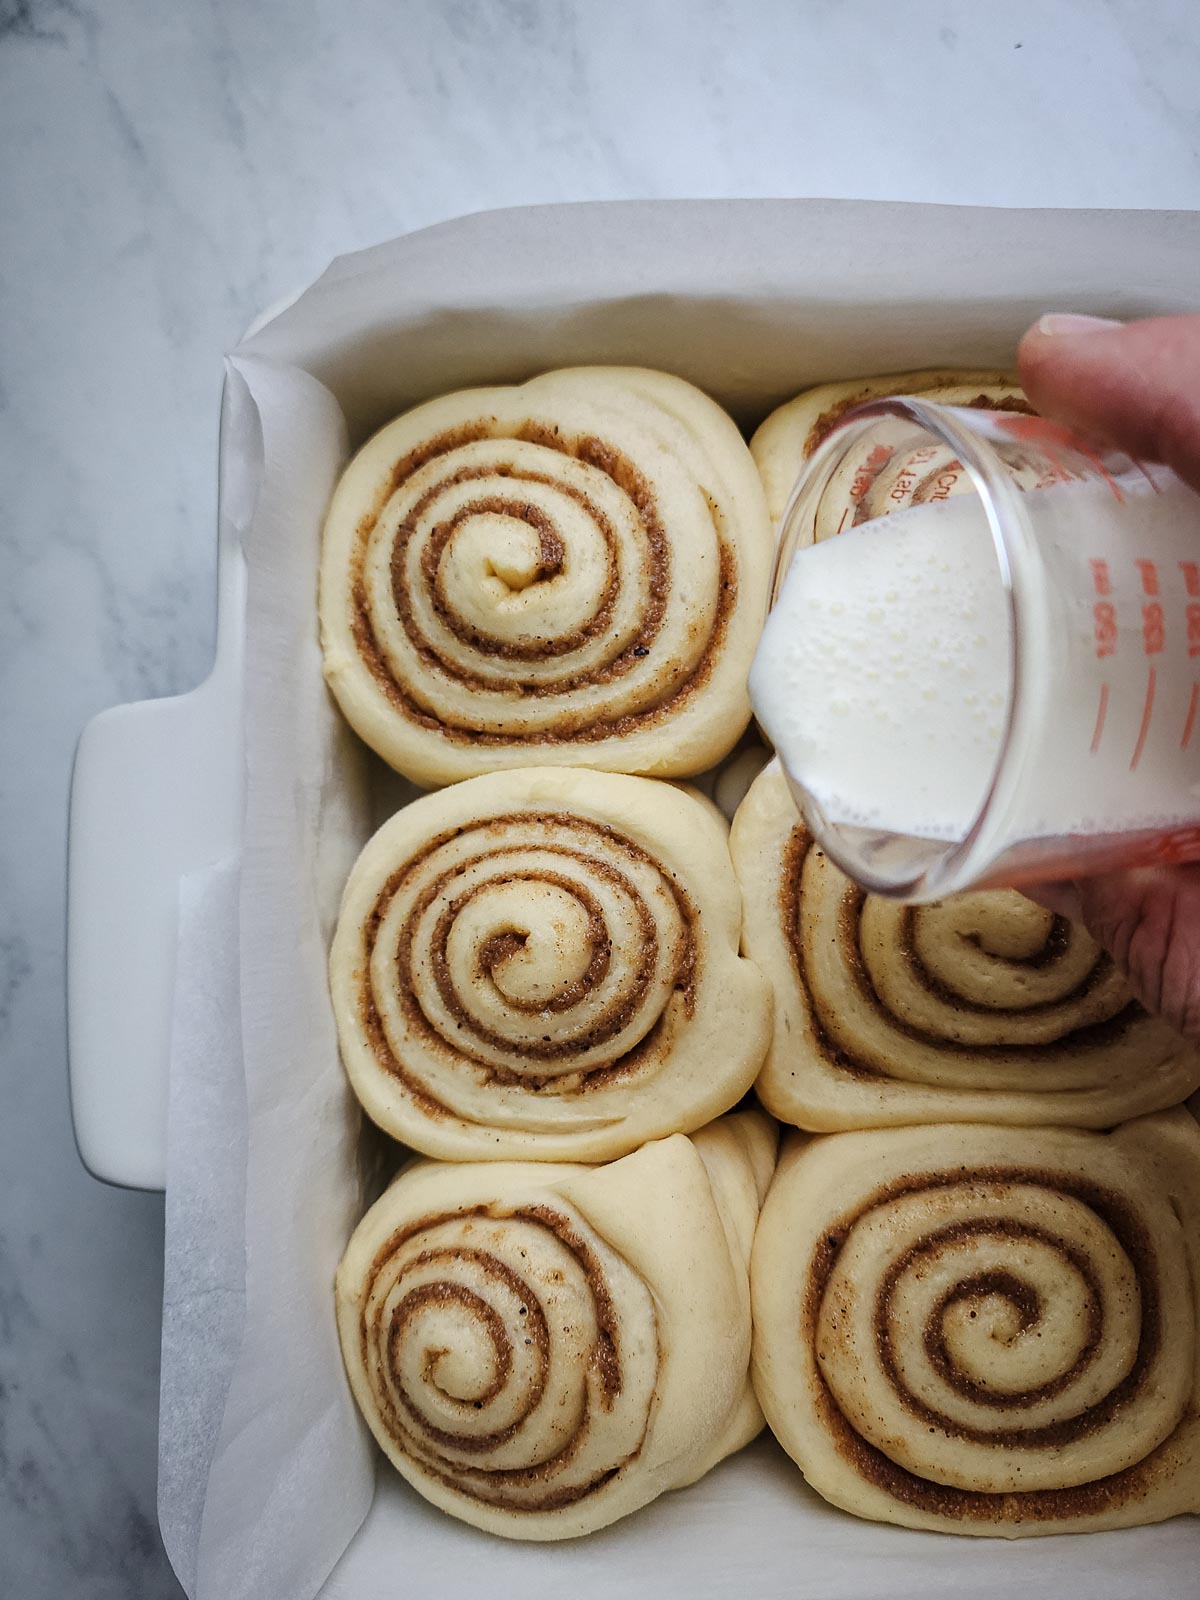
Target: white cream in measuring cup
x,y
924,681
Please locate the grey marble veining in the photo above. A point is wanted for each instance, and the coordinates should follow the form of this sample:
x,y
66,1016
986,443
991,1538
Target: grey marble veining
x,y
171,166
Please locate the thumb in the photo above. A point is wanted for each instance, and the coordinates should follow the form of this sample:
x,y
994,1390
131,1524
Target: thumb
x,y
1136,386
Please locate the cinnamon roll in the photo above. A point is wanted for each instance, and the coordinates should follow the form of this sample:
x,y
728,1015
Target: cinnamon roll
x,y
975,1331
544,963
541,1349
572,571
877,480
982,1007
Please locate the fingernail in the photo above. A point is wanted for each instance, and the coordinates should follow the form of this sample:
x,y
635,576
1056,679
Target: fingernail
x,y
1060,322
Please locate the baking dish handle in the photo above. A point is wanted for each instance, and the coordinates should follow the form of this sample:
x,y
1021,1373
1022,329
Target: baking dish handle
x,y
149,803
156,794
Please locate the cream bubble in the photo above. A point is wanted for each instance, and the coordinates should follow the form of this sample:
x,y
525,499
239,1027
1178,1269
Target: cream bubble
x,y
905,623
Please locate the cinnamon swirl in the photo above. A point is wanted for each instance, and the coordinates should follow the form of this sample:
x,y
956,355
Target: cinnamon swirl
x,y
983,1007
877,482
572,571
979,1331
544,963
542,1349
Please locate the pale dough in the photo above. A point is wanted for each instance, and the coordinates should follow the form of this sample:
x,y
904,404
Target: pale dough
x,y
982,1007
541,1349
572,571
544,963
784,442
982,1331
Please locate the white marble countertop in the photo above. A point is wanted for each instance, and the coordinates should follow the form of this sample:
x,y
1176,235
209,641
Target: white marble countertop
x,y
172,168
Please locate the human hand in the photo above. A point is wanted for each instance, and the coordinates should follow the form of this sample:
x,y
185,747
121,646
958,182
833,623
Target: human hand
x,y
1137,386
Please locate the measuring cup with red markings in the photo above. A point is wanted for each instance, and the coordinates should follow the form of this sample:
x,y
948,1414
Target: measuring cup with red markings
x,y
982,662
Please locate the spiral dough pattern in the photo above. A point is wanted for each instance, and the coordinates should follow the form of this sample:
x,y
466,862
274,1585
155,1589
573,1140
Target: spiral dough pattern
x,y
572,571
470,1357
510,1331
885,474
545,962
982,1007
956,1332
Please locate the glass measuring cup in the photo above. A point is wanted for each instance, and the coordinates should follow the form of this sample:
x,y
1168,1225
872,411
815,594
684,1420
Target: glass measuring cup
x,y
1096,759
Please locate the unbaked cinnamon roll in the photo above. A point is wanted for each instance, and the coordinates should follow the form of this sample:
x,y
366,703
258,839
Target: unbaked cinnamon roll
x,y
544,963
542,1349
987,1331
877,480
570,571
982,1007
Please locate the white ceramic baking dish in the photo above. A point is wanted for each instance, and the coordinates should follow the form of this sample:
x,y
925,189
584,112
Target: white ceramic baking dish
x,y
157,784
751,300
